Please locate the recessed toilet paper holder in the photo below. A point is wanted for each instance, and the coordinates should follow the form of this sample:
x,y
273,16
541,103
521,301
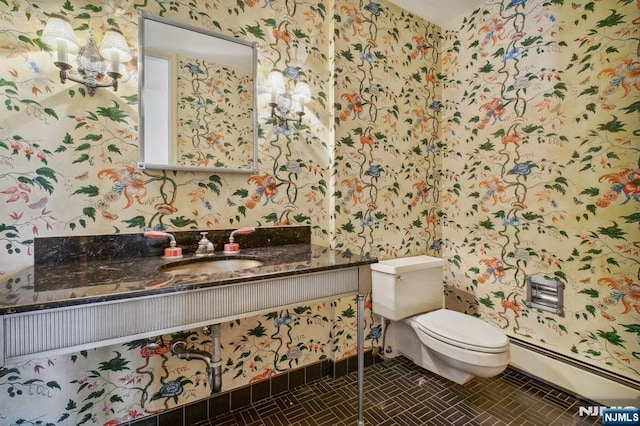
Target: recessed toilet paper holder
x,y
545,294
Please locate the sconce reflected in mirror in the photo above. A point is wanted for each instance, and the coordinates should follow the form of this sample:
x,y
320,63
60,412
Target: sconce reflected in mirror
x,y
91,61
286,105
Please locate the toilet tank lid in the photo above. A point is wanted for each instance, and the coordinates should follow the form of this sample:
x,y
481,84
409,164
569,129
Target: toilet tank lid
x,y
407,264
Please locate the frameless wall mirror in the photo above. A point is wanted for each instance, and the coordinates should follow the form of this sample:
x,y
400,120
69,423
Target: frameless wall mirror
x,y
197,99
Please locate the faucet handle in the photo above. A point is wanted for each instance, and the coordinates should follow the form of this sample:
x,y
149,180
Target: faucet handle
x,y
159,234
241,231
171,252
247,230
232,247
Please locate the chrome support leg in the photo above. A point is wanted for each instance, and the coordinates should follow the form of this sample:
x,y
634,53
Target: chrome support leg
x,y
360,309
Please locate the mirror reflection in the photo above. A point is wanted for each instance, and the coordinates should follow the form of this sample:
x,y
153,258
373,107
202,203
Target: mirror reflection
x,y
197,99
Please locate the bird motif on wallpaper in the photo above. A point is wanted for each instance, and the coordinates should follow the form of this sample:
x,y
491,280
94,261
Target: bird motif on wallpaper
x,y
194,69
494,267
354,106
420,48
127,182
624,290
421,193
625,183
267,186
355,191
354,19
494,109
625,75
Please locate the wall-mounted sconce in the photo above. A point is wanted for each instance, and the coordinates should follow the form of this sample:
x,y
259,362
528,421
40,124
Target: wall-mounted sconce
x,y
286,105
91,62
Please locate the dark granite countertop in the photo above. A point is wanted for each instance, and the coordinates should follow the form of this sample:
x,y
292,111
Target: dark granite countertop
x,y
54,285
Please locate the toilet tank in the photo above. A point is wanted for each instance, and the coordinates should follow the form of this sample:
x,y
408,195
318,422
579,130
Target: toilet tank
x,y
407,286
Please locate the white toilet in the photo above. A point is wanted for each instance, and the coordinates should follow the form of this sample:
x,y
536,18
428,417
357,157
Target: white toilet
x,y
410,292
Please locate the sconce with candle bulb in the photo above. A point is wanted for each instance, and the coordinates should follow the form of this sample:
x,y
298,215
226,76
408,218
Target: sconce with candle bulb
x,y
90,60
286,105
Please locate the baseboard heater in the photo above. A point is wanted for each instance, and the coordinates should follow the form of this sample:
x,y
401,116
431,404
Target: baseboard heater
x,y
623,387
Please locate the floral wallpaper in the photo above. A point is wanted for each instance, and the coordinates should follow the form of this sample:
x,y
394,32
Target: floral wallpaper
x,y
116,384
481,143
214,115
541,144
69,168
388,101
71,157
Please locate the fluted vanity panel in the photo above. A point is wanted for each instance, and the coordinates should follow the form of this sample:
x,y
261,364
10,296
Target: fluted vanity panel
x,y
60,330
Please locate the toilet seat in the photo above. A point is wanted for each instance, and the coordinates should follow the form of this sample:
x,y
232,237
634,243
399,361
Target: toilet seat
x,y
461,330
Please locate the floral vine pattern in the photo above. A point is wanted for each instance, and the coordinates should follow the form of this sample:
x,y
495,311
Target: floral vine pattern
x,y
70,167
215,115
544,173
388,168
507,145
94,160
274,344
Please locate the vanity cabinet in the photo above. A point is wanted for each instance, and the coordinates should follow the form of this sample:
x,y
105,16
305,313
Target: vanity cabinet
x,y
45,332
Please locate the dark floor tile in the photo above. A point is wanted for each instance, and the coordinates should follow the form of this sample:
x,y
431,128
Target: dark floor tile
x,y
266,407
219,404
398,393
560,398
315,406
249,416
340,368
196,412
260,390
279,383
408,418
455,416
326,418
295,413
424,413
375,417
499,413
352,364
296,378
313,372
305,422
277,419
440,421
240,397
147,421
469,409
482,401
486,419
449,397
171,418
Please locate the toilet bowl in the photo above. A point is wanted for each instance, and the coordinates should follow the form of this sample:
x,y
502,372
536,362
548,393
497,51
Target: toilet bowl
x,y
409,292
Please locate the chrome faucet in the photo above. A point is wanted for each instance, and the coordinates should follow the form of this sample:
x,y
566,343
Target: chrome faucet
x,y
205,247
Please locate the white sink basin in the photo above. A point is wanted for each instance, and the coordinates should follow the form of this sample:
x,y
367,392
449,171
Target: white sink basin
x,y
209,266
